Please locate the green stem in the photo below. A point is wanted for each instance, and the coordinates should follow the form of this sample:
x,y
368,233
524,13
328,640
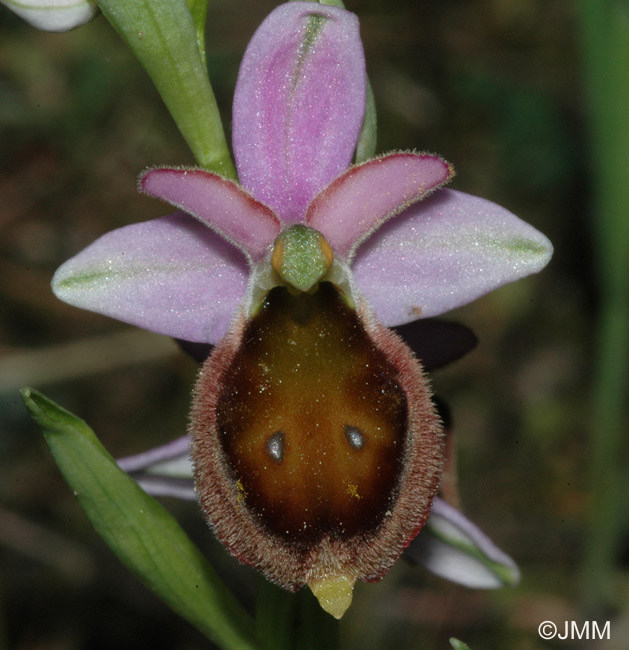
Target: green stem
x,y
275,616
286,621
315,628
605,36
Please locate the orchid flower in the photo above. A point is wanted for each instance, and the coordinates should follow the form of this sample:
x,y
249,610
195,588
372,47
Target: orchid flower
x,y
316,447
54,15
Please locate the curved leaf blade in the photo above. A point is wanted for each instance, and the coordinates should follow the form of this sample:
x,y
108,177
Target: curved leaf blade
x,y
144,536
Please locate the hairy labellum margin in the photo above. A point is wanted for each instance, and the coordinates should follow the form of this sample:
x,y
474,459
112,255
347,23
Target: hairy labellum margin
x,y
316,446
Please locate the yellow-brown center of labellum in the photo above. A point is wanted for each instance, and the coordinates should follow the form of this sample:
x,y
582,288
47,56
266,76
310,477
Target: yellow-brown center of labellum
x,y
317,444
317,450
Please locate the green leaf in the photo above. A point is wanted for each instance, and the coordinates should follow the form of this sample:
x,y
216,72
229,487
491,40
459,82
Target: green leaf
x,y
164,37
139,531
458,645
605,52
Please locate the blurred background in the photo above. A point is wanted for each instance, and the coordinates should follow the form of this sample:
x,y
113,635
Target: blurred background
x,y
499,88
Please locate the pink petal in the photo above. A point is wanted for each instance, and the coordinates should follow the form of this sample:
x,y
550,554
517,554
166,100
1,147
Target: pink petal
x,y
298,105
171,275
443,253
365,196
217,202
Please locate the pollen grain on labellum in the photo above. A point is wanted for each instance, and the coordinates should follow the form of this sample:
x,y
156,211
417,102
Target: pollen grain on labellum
x,y
352,490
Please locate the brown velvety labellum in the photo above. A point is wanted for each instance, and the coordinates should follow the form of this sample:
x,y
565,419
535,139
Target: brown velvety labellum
x,y
316,446
317,443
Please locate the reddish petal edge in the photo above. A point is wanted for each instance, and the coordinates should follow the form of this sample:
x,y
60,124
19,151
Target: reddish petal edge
x,y
359,201
365,557
219,203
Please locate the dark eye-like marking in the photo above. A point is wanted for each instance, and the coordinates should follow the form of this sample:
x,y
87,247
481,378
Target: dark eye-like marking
x,y
355,437
274,446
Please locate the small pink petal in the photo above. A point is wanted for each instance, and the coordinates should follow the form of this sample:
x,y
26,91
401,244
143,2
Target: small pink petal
x,y
298,105
443,253
217,202
364,197
171,275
